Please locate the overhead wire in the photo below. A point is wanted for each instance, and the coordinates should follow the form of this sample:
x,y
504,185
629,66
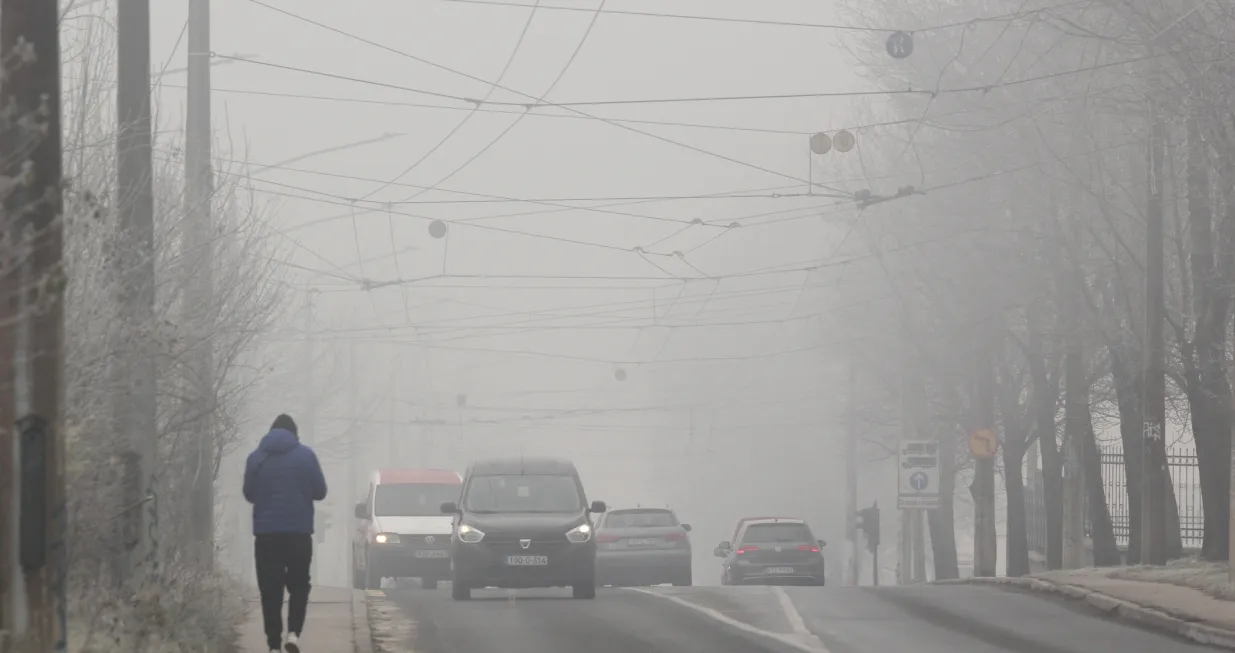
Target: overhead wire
x,y
439,66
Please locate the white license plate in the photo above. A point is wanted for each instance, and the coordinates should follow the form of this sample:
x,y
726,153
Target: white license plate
x,y
433,554
778,570
642,542
527,561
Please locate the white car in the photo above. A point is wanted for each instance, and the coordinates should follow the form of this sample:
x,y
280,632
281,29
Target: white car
x,y
400,529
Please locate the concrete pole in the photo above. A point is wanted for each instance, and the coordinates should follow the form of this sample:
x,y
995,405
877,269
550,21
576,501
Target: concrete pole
x,y
851,481
135,401
1155,473
905,542
308,430
199,243
33,604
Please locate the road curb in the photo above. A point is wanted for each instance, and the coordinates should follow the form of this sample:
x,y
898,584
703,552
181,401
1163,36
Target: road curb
x,y
362,635
1120,608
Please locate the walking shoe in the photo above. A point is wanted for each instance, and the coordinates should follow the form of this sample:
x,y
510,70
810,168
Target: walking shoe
x,y
293,643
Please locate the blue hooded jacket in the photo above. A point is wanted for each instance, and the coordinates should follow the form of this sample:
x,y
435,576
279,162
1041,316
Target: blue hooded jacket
x,y
282,479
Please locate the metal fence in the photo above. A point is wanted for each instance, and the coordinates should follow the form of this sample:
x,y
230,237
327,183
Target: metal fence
x,y
1184,478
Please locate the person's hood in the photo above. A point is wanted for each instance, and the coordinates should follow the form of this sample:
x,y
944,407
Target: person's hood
x,y
278,441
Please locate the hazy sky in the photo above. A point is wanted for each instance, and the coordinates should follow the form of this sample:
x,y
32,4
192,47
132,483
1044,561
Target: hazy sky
x,y
756,422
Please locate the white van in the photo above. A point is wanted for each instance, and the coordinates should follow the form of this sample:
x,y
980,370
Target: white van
x,y
400,530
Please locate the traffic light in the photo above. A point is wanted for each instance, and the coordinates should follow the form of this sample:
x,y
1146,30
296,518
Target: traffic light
x,y
868,521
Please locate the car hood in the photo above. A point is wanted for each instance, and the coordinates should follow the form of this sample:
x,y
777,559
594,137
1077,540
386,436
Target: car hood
x,y
524,523
427,525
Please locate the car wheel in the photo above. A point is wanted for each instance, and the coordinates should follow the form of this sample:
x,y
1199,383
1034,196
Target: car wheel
x,y
428,583
586,590
460,591
683,579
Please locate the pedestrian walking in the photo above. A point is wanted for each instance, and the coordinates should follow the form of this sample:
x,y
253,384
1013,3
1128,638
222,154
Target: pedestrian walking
x,y
282,479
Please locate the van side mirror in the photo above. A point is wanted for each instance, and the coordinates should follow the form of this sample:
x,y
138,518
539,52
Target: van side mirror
x,y
686,527
598,507
450,508
722,550
361,511
822,543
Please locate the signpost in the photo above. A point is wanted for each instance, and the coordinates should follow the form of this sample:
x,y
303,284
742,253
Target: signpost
x,y
900,45
919,475
983,444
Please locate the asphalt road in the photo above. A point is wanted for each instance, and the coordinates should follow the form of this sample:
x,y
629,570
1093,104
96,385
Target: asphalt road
x,y
972,619
549,621
924,619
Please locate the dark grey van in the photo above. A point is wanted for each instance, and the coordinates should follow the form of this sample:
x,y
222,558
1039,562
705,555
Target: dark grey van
x,y
523,522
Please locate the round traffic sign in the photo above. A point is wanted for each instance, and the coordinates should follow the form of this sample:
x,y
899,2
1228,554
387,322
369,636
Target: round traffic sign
x,y
820,143
844,140
919,480
900,45
437,229
983,443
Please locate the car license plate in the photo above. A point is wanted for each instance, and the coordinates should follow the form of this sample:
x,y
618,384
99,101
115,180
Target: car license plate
x,y
778,570
442,553
527,561
642,542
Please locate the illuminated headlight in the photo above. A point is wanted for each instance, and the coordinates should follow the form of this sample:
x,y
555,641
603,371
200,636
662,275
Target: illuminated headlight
x,y
386,538
580,534
470,535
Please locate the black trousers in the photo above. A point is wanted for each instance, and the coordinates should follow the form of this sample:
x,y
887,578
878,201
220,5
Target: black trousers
x,y
283,561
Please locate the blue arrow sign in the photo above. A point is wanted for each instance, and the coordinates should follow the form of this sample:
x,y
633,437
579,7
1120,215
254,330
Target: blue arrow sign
x,y
919,480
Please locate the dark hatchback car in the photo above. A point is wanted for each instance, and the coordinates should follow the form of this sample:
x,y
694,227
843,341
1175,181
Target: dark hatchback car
x,y
773,552
520,523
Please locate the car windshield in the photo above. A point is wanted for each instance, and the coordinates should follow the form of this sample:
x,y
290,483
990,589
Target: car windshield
x,y
523,493
413,499
771,533
640,519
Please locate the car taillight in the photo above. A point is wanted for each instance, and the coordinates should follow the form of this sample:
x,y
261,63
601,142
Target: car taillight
x,y
607,539
675,537
807,547
747,549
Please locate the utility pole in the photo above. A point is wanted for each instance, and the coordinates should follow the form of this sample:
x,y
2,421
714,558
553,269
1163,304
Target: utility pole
x,y
134,385
851,479
1154,470
392,414
1076,416
308,430
917,532
1230,540
908,432
982,445
199,194
32,600
353,452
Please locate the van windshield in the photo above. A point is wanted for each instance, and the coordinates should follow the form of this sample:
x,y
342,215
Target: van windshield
x,y
412,499
523,493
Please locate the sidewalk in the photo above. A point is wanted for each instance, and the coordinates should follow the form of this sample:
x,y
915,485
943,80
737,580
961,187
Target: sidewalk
x,y
1182,599
337,623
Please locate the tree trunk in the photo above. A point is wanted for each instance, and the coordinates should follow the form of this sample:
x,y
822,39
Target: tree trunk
x,y
942,522
1018,529
1102,531
1016,444
1127,396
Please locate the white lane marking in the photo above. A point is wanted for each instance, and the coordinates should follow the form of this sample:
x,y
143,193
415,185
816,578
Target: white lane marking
x,y
802,642
791,613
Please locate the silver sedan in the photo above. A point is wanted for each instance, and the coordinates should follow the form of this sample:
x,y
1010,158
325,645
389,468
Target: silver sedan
x,y
641,547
